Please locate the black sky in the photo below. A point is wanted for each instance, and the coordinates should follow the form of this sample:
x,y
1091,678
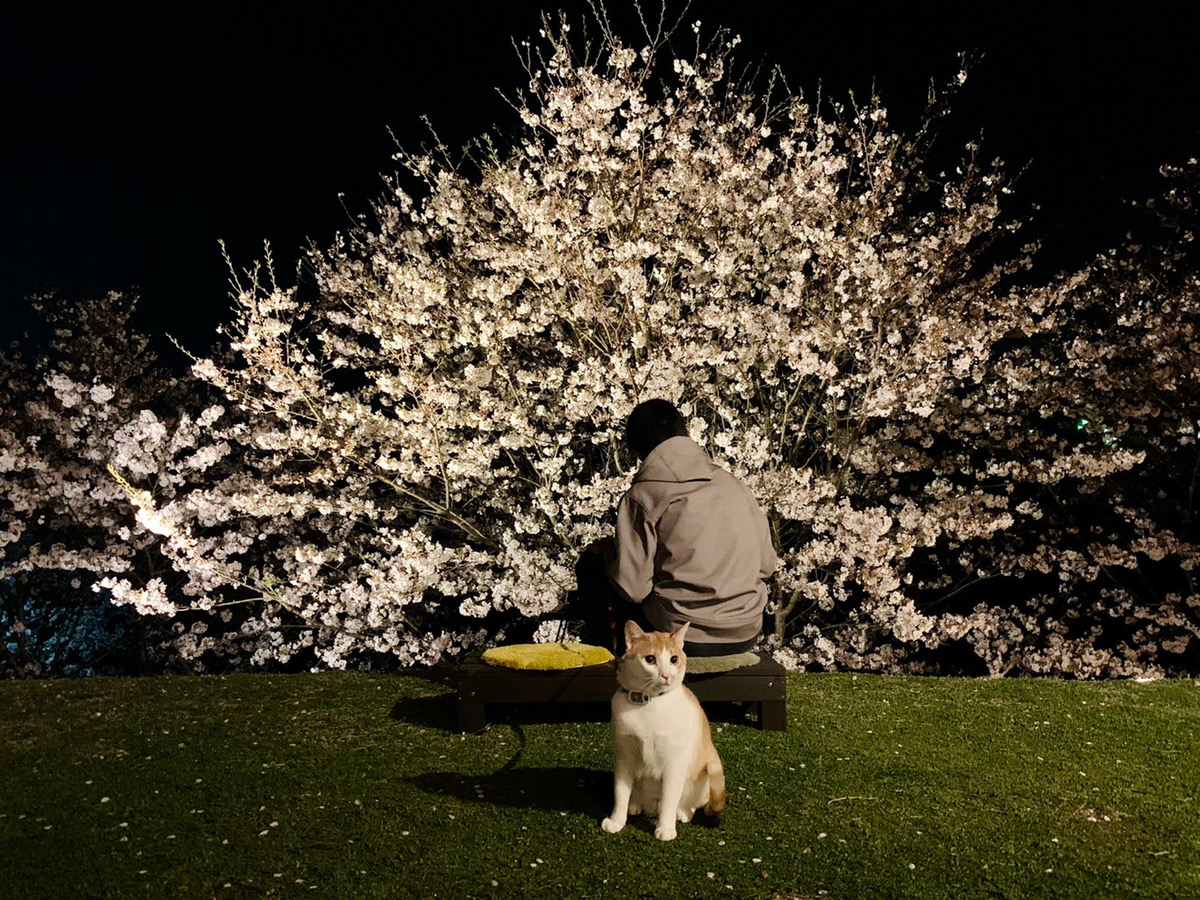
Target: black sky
x,y
134,141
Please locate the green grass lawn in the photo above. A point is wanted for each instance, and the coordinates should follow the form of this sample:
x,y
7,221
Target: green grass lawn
x,y
355,785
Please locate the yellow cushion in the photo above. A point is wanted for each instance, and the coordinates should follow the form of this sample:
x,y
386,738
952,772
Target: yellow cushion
x,y
546,656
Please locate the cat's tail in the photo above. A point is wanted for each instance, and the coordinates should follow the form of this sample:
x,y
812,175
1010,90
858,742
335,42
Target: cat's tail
x,y
716,789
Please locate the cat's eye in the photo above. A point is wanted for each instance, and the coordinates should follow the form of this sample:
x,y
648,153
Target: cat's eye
x,y
674,660
650,660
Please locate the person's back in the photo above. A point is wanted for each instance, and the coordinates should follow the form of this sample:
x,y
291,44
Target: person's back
x,y
692,545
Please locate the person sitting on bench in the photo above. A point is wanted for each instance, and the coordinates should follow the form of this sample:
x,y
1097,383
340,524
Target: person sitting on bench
x,y
691,545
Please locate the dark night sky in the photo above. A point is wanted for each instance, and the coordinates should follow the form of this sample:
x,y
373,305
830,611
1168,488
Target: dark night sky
x,y
133,141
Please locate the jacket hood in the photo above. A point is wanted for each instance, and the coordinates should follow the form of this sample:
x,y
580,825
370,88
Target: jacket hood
x,y
675,461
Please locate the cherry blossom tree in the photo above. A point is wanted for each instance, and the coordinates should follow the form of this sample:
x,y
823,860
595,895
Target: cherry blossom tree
x,y
426,440
1102,582
92,397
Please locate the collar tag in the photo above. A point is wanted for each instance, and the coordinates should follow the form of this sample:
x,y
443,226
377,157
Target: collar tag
x,y
638,698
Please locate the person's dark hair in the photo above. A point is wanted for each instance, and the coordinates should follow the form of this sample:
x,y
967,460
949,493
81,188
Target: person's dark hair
x,y
651,423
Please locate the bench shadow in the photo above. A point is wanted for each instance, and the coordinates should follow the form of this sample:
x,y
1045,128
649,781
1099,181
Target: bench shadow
x,y
438,711
568,789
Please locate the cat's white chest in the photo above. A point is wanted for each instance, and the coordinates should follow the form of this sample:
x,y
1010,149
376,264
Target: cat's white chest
x,y
654,734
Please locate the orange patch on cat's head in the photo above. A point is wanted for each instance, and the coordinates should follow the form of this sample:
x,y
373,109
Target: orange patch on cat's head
x,y
637,640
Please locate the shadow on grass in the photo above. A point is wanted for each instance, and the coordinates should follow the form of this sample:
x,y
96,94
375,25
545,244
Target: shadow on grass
x,y
571,790
566,789
439,711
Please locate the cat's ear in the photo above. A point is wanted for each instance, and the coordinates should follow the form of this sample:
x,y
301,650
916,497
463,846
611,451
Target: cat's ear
x,y
633,632
680,634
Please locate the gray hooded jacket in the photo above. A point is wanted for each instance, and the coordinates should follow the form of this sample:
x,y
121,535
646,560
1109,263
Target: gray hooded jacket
x,y
692,545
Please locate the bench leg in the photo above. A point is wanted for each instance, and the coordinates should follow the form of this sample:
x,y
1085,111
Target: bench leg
x,y
772,715
472,716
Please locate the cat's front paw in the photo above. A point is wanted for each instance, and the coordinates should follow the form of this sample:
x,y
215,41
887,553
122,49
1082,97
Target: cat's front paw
x,y
665,831
612,824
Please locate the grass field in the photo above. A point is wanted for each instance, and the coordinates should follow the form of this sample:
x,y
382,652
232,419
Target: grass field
x,y
354,785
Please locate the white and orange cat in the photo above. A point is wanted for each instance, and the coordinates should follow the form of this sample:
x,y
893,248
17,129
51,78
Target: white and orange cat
x,y
665,761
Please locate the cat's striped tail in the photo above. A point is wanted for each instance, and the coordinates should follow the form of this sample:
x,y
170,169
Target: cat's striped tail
x,y
716,789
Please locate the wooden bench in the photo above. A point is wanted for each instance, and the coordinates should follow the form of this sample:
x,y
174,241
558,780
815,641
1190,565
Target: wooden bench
x,y
479,684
